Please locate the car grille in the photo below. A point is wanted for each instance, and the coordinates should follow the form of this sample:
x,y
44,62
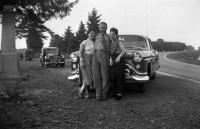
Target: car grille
x,y
58,58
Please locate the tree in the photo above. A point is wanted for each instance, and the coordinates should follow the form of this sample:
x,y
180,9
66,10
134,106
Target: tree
x,y
81,34
34,40
57,41
70,43
93,21
42,10
160,40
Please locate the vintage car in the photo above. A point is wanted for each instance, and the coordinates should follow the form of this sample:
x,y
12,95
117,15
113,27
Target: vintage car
x,y
141,61
51,56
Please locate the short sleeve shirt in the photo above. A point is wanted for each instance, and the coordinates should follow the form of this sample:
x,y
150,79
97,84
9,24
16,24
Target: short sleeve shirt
x,y
99,42
89,46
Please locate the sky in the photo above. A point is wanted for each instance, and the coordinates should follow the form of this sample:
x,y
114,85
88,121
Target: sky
x,y
171,20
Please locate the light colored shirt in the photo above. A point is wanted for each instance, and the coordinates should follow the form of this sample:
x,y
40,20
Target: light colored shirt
x,y
99,42
88,45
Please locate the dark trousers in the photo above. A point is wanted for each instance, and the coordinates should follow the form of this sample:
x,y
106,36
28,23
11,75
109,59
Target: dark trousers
x,y
117,75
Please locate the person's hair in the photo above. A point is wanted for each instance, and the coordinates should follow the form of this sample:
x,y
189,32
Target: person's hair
x,y
103,23
114,30
90,31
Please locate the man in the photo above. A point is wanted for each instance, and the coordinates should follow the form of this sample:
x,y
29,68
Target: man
x,y
100,63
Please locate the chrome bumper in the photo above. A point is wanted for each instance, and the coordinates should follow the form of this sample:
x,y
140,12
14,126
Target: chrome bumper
x,y
136,79
74,75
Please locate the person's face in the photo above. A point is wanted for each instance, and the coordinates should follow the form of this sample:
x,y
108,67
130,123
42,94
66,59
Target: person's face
x,y
91,35
113,36
102,28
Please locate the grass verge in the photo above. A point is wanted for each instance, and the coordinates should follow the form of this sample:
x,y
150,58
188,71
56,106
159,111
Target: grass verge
x,y
186,57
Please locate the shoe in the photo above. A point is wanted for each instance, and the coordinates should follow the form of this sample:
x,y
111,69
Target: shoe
x,y
80,94
87,96
118,96
91,89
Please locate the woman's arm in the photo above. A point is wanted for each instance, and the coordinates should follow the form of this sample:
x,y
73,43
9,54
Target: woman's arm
x,y
81,52
121,54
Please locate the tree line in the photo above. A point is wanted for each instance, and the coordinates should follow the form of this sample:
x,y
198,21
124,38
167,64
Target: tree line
x,y
70,41
161,45
32,14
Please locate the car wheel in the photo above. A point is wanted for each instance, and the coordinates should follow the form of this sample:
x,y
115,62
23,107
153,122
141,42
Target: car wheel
x,y
62,65
46,65
153,77
141,87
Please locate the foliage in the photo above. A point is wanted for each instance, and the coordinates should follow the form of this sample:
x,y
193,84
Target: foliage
x,y
57,41
169,46
37,12
34,39
190,57
81,34
93,21
70,43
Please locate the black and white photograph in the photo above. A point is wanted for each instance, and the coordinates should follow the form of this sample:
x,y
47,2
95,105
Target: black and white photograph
x,y
99,64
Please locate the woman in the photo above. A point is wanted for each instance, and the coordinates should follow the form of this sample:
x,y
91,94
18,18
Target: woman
x,y
117,64
86,54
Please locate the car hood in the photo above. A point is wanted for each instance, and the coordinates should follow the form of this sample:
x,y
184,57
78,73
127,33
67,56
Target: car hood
x,y
52,54
144,53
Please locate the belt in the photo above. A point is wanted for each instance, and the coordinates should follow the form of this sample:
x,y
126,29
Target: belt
x,y
101,50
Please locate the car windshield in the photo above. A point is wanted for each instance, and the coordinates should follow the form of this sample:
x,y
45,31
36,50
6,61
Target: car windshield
x,y
138,43
52,50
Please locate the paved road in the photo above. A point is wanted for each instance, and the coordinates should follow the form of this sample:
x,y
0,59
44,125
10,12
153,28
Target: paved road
x,y
172,67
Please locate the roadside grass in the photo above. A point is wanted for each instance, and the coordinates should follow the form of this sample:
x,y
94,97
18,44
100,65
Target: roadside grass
x,y
186,57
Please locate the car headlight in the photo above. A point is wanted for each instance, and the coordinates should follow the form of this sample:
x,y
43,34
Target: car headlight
x,y
46,57
62,56
137,56
74,59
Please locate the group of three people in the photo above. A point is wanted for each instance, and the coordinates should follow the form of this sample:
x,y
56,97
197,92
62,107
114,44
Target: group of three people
x,y
102,63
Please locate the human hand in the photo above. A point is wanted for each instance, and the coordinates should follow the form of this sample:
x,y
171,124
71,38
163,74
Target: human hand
x,y
111,62
117,60
81,62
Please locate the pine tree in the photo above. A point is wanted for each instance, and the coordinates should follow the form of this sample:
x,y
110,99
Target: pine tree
x,y
42,10
81,34
34,40
93,21
70,44
57,41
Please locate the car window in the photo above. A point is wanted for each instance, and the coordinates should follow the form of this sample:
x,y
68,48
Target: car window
x,y
136,43
51,50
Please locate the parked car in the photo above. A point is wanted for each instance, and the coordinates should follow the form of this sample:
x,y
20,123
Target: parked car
x,y
51,56
141,61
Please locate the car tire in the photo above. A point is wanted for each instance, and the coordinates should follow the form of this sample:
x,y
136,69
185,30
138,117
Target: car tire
x,y
141,87
46,65
153,77
62,65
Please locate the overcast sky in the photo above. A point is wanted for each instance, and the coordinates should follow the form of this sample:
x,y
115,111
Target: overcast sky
x,y
171,20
